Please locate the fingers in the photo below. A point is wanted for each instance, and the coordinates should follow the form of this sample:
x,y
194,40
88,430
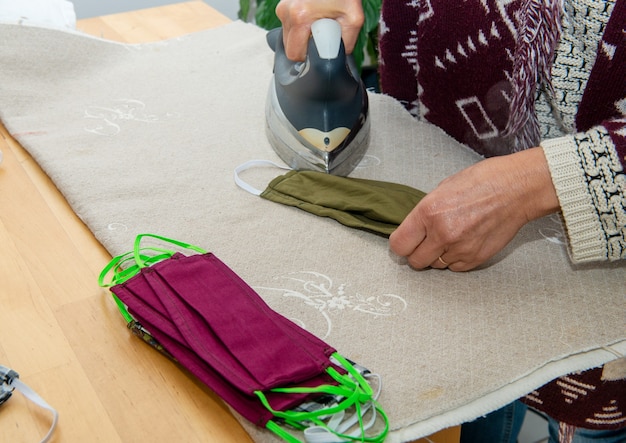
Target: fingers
x,y
418,241
429,238
427,257
298,15
409,235
430,254
429,248
440,263
295,41
453,265
351,27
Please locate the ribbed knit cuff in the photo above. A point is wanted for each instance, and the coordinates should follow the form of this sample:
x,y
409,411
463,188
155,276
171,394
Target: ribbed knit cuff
x,y
587,240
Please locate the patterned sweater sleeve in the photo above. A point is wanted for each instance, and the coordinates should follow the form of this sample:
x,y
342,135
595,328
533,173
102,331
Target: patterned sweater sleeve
x,y
588,167
590,182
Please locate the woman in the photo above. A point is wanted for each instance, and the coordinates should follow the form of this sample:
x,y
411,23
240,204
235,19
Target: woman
x,y
539,89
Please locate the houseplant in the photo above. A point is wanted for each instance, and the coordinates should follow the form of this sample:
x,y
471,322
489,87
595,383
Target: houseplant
x,y
262,12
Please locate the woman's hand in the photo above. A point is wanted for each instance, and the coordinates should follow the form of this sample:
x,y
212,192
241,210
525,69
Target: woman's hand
x,y
298,15
475,213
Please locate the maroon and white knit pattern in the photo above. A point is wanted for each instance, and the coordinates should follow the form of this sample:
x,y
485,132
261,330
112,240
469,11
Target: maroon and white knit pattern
x,y
583,25
471,67
583,399
538,35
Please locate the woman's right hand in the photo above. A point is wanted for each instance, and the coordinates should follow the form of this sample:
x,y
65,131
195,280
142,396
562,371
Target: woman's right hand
x,y
298,15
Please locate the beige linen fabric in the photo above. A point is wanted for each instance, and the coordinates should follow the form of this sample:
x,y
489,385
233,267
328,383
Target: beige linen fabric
x,y
145,138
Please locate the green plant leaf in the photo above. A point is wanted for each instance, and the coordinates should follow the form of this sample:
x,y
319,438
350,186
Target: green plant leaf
x,y
367,42
371,10
266,14
244,10
358,54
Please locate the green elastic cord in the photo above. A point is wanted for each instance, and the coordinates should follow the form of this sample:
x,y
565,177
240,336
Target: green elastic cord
x,y
137,248
122,308
129,264
352,387
276,429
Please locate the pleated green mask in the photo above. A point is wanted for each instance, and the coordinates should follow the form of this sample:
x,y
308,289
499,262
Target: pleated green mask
x,y
371,205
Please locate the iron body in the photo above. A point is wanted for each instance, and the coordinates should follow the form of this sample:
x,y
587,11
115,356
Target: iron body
x,y
317,111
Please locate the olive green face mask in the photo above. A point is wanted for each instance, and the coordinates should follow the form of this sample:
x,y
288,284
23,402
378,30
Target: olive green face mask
x,y
371,205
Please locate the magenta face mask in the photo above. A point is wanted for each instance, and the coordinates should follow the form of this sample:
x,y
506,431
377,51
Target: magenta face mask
x,y
200,313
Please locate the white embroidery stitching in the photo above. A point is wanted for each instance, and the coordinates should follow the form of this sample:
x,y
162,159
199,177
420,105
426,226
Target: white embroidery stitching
x,y
110,118
317,291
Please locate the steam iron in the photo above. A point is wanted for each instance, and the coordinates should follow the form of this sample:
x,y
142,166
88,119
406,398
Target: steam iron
x,y
317,111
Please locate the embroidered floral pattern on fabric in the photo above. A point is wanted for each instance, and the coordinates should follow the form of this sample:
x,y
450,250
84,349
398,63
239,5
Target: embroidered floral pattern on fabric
x,y
109,118
368,161
318,291
607,183
117,227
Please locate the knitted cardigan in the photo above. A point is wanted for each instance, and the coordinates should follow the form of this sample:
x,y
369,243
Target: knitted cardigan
x,y
505,76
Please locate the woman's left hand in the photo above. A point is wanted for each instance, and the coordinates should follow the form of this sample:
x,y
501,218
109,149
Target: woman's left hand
x,y
476,212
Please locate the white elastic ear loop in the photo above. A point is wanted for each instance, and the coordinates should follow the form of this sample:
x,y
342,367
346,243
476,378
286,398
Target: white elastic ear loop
x,y
250,164
320,434
351,421
35,398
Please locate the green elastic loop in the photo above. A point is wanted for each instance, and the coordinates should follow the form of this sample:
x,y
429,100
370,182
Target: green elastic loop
x,y
137,248
122,307
363,384
129,264
347,389
113,265
353,387
362,438
140,259
351,397
272,426
276,429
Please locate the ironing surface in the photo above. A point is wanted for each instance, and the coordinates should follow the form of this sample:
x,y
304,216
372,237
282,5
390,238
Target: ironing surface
x,y
135,151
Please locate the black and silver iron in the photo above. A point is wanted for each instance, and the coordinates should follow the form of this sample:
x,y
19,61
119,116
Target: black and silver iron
x,y
317,111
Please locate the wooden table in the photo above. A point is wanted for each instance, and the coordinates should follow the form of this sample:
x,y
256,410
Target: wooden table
x,y
62,333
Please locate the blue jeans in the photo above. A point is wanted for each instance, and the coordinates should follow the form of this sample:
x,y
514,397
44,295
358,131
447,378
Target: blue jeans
x,y
503,426
582,435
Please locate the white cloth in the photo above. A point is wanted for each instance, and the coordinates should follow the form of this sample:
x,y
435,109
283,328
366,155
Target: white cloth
x,y
48,13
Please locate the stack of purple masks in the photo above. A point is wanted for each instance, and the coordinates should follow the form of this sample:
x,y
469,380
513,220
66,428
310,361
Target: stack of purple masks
x,y
203,315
